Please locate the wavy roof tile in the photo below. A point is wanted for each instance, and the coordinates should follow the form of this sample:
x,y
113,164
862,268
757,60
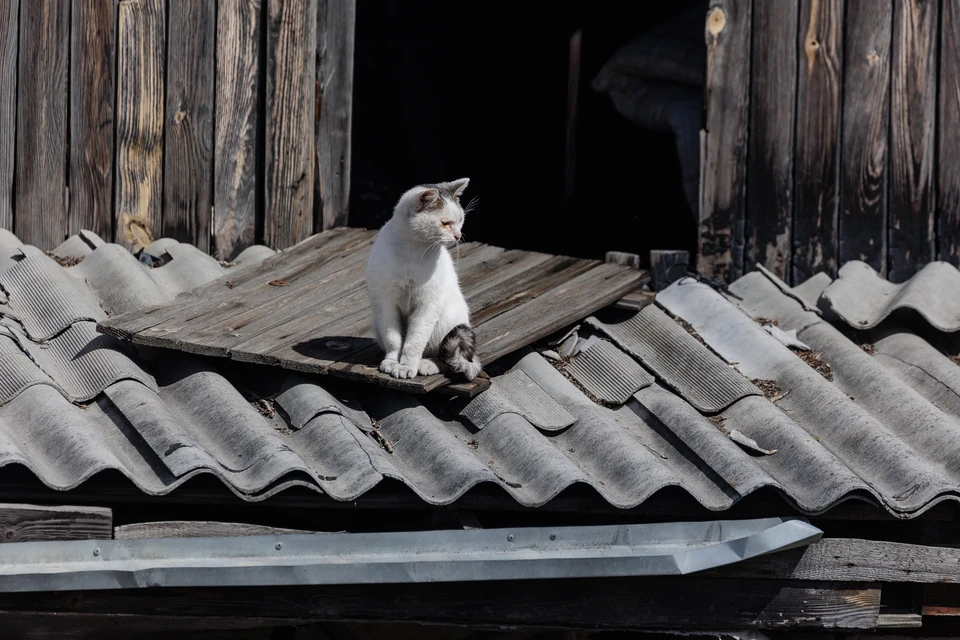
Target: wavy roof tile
x,y
885,428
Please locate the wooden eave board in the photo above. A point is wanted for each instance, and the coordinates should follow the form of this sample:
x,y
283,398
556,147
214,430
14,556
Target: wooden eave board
x,y
306,308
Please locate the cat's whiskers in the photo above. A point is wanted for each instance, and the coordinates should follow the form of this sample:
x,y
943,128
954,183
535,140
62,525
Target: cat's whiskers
x,y
436,241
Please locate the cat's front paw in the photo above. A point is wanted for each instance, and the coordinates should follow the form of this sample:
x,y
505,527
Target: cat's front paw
x,y
388,365
405,371
428,367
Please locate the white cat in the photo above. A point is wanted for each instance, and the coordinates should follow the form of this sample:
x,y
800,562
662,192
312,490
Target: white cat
x,y
418,308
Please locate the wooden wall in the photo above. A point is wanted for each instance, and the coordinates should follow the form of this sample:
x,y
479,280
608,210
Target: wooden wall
x,y
216,122
832,133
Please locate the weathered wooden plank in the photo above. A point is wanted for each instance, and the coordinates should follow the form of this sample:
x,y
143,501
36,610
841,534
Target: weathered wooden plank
x,y
92,57
622,258
198,529
306,309
817,169
238,315
31,523
518,287
724,158
554,310
853,560
948,159
188,147
9,30
611,603
318,252
140,80
238,73
336,26
770,158
290,142
42,96
866,120
913,105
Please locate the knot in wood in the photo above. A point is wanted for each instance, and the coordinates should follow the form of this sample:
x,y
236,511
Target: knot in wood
x,y
179,117
716,21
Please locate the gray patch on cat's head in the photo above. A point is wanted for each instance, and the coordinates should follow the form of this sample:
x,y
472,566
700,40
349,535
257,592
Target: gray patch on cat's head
x,y
432,199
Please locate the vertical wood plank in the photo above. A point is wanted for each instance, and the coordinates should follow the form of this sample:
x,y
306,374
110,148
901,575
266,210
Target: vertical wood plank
x,y
188,115
290,142
140,63
336,25
92,47
817,173
41,173
9,28
913,117
948,190
724,157
772,112
866,119
234,187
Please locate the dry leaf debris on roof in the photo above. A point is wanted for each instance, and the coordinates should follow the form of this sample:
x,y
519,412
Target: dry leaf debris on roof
x,y
164,419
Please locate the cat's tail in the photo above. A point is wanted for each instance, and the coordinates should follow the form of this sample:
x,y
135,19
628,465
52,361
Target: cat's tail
x,y
458,352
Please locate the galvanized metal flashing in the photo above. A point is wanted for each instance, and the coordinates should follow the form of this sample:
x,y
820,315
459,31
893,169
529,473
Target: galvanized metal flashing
x,y
408,557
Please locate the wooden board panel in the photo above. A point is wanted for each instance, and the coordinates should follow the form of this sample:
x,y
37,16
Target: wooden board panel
x,y
140,66
772,112
724,157
306,308
817,171
41,173
235,150
912,111
866,120
92,57
336,23
188,150
290,113
9,30
32,523
948,160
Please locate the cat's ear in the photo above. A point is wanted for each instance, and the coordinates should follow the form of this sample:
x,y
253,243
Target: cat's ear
x,y
458,186
427,198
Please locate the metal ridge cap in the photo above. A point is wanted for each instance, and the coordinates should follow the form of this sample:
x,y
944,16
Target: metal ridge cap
x,y
404,557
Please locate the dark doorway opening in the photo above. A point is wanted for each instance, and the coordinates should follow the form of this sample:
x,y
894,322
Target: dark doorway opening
x,y
479,89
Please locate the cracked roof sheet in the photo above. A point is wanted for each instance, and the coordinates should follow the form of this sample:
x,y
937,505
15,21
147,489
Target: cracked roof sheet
x,y
634,405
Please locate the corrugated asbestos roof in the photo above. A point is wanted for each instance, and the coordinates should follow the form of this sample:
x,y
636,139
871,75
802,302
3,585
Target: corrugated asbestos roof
x,y
887,427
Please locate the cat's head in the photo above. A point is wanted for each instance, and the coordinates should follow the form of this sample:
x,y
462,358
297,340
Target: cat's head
x,y
433,212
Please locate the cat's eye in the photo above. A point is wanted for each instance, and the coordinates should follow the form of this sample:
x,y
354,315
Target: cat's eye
x,y
446,224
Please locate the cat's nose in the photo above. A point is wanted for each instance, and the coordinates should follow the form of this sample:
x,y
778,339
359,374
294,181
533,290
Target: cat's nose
x,y
456,236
